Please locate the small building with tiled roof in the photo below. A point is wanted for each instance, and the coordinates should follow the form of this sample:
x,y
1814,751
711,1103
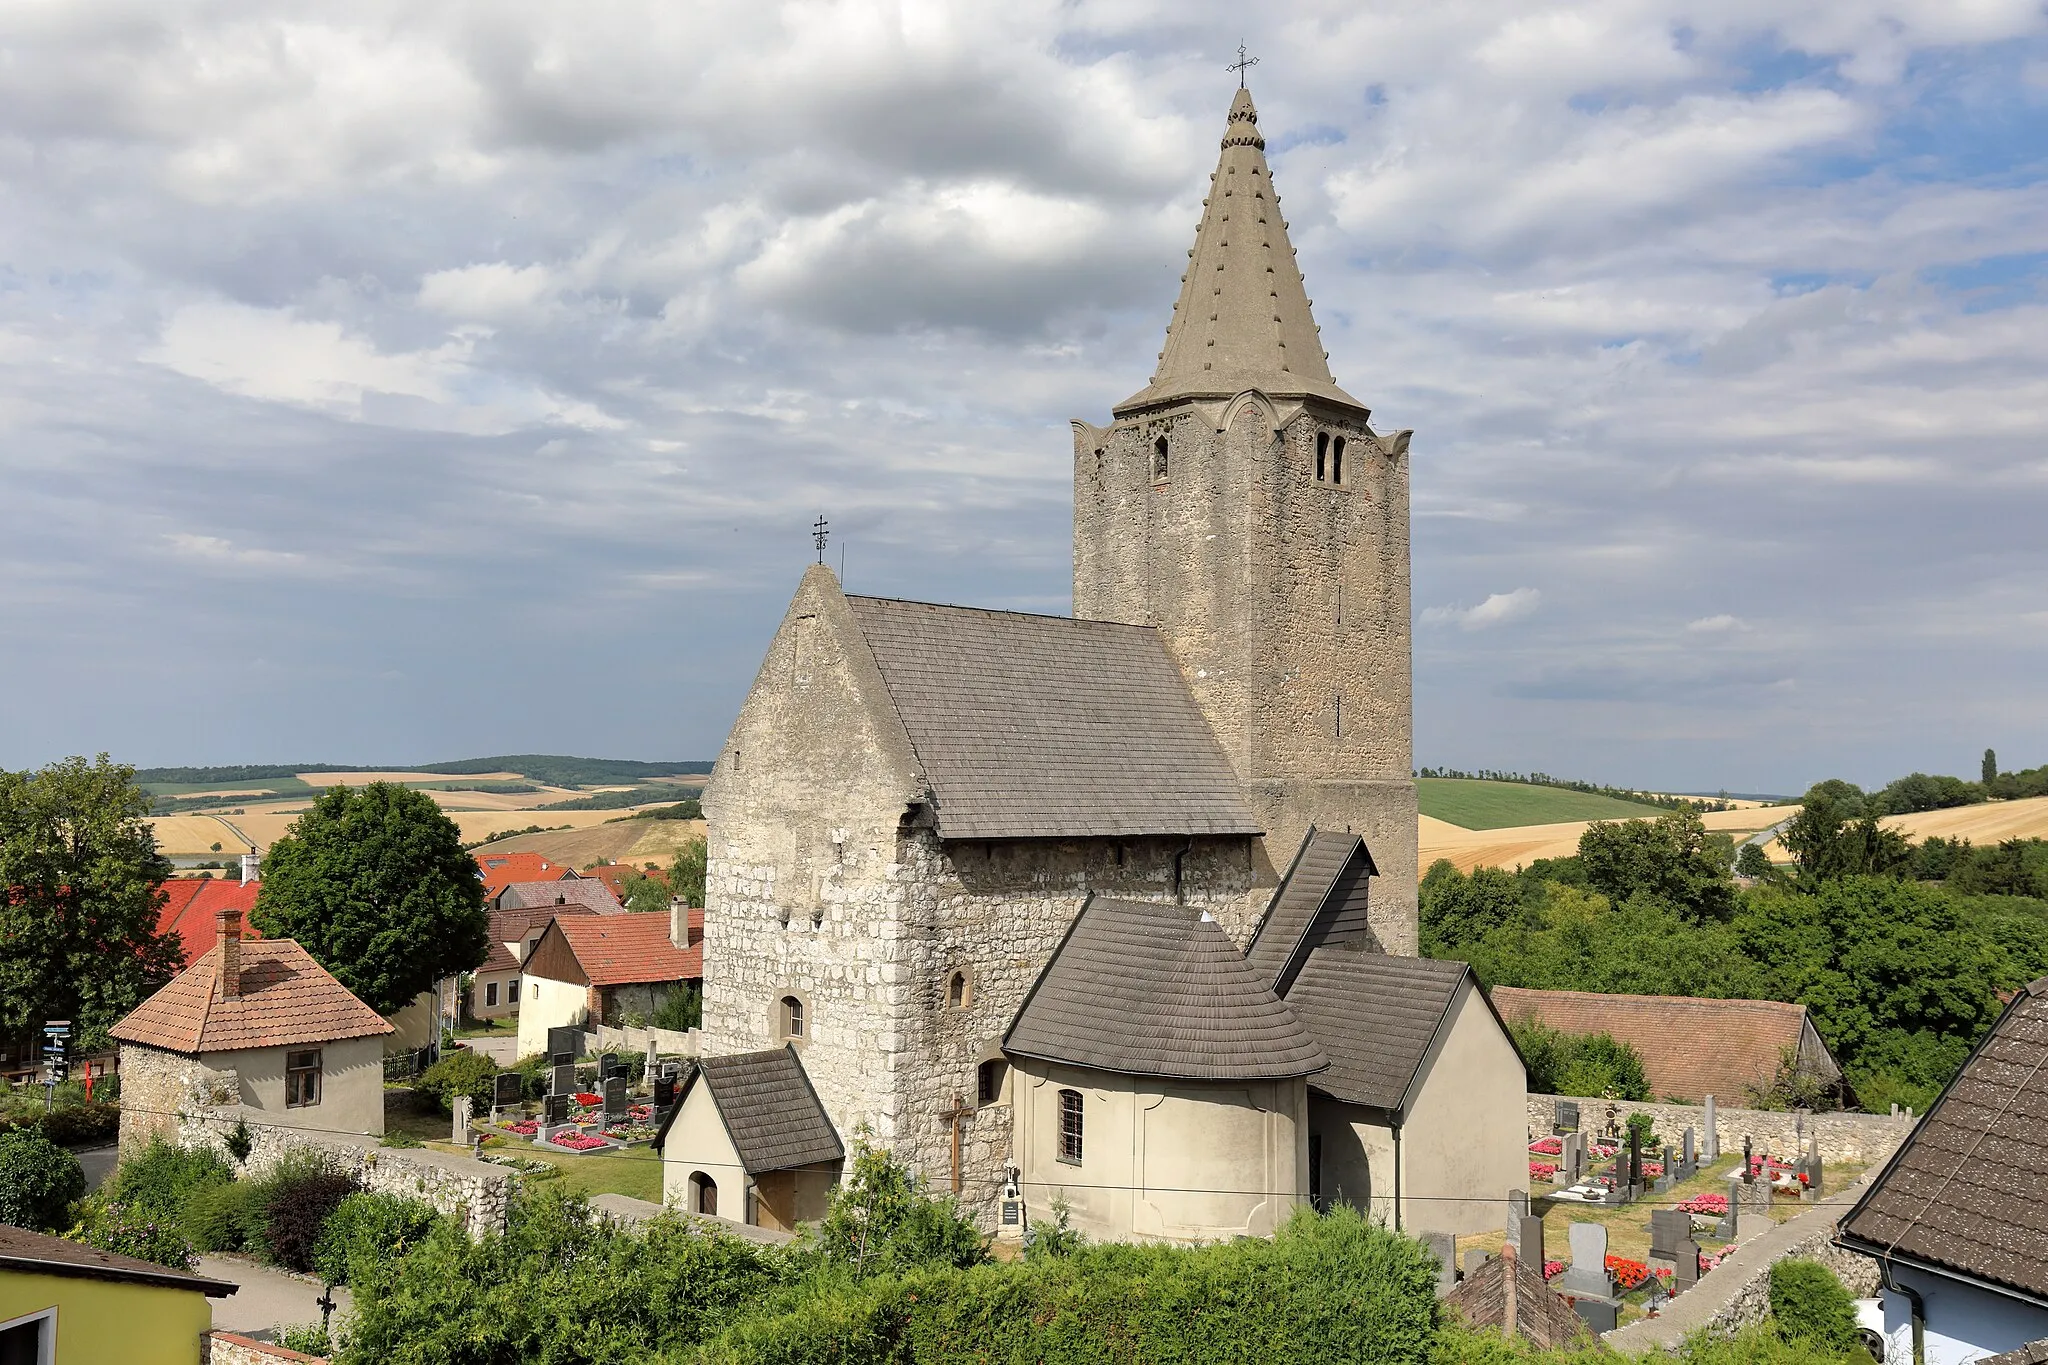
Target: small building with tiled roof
x,y
616,875
1957,1220
500,870
65,1303
1508,1295
494,986
586,970
593,895
192,907
255,1023
1691,1047
749,1141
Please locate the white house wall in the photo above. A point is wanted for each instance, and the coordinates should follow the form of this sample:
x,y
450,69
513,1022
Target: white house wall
x,y
697,1142
1464,1141
1964,1323
351,1084
548,1003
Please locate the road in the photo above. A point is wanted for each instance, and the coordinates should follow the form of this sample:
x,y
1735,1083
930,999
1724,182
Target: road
x,y
266,1300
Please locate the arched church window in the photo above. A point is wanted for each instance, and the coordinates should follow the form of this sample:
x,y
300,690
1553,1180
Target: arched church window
x,y
1337,460
988,1081
1322,454
792,1018
1159,466
1070,1126
956,991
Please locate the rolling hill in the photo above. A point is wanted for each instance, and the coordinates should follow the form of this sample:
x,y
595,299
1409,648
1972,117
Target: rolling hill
x,y
1473,803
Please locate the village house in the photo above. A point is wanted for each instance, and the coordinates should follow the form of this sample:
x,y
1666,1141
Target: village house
x,y
539,895
255,1023
1691,1047
192,907
748,1141
1957,1220
924,814
494,985
499,870
585,970
65,1303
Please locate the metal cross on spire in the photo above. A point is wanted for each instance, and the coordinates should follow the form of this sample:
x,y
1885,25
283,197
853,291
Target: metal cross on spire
x,y
1241,64
820,529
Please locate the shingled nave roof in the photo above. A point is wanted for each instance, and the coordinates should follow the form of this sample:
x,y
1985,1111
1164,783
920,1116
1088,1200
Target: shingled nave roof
x,y
1243,320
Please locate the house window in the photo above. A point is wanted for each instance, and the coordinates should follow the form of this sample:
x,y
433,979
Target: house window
x,y
1070,1126
988,1081
1337,460
490,994
512,991
31,1340
703,1194
792,1018
1322,455
536,990
301,1079
956,991
1159,466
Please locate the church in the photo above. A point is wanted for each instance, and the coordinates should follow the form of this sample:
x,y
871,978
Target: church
x,y
1116,910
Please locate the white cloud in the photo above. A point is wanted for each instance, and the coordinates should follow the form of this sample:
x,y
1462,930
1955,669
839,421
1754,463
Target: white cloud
x,y
490,292
218,550
1722,624
1498,609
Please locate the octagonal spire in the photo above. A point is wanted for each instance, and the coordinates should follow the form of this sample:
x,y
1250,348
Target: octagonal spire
x,y
1243,320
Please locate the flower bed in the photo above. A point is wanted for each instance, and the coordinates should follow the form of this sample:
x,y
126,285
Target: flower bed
x,y
1542,1170
1550,1146
577,1142
632,1132
1715,1204
588,1100
1627,1274
524,1128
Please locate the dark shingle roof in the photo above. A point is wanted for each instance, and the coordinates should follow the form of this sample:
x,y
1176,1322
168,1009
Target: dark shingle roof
x,y
770,1110
286,997
2033,1353
1968,1192
31,1253
1323,898
1541,1314
540,895
1157,990
1033,727
1375,1015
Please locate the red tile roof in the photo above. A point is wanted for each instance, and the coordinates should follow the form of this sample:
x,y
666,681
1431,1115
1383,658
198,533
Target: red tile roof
x,y
502,869
613,875
190,905
286,997
1691,1047
630,950
517,926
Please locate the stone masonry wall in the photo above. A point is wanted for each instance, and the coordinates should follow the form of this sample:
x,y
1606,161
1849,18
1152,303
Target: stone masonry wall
x,y
229,1348
477,1193
1285,601
158,1086
1865,1138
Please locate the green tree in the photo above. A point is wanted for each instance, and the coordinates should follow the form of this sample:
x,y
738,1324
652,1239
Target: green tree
x,y
38,1181
686,877
1671,859
374,883
1752,861
644,894
1990,768
1809,1304
879,1223
1458,910
1836,834
83,888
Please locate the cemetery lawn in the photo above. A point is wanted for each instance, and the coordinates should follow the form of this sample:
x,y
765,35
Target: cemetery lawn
x,y
414,1115
634,1172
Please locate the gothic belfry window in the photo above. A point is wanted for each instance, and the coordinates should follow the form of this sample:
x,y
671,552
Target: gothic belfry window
x,y
1322,454
1337,460
1159,459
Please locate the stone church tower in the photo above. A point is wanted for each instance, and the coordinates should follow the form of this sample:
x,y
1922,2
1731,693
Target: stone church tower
x,y
1241,504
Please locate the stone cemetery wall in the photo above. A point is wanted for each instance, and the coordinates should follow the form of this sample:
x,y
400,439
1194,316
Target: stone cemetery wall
x,y
227,1348
1751,1303
667,1042
476,1193
1867,1138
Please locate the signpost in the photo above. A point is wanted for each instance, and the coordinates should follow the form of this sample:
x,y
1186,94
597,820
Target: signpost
x,y
56,1058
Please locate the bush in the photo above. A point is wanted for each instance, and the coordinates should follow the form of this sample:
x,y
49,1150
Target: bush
x,y
221,1217
463,1072
38,1182
294,1201
127,1230
878,1222
159,1180
1809,1304
366,1231
681,1009
308,1338
1588,1064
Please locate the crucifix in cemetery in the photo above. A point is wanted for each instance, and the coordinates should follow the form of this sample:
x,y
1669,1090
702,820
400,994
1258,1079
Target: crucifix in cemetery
x,y
960,1110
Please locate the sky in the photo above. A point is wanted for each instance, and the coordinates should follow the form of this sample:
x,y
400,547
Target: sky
x,y
394,382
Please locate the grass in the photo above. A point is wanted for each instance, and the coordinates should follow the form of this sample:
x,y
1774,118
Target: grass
x,y
488,1028
634,1172
1471,803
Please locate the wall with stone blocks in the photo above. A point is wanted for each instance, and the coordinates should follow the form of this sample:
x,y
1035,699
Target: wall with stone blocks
x,y
1866,1138
477,1193
1752,1302
668,1042
226,1348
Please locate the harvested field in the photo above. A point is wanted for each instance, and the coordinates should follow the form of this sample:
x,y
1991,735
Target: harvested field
x,y
365,779
626,841
1985,824
195,834
1518,847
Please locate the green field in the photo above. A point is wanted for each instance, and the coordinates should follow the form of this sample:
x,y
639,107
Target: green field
x,y
283,786
1473,804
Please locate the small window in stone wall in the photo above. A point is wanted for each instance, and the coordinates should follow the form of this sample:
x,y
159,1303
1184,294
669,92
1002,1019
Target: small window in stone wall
x,y
1337,460
792,1019
988,1081
1160,467
958,992
1070,1126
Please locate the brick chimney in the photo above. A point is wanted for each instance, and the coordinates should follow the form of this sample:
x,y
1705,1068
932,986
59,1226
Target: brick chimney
x,y
227,976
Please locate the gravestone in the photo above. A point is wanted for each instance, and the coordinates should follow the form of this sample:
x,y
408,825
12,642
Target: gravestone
x,y
608,1066
562,1080
1670,1230
1731,1221
1810,1167
556,1110
1756,1197
1688,1159
1567,1116
1688,1273
1635,1162
564,1043
1474,1258
1444,1247
615,1097
462,1106
1572,1160
1518,1210
1600,1315
1587,1274
664,1094
1713,1132
1529,1242
1748,1159
506,1089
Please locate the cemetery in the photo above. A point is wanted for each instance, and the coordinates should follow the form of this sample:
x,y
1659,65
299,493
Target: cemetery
x,y
590,1107
1622,1221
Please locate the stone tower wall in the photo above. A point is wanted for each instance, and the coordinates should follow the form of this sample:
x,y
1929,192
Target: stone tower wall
x,y
1286,602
